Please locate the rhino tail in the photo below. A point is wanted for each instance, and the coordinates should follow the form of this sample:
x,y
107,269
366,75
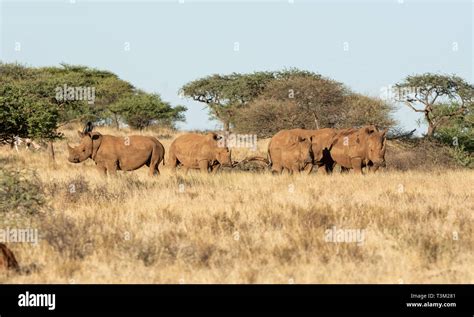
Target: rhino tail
x,y
163,153
270,163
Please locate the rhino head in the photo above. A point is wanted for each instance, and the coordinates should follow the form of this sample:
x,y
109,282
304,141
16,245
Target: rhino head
x,y
223,156
89,142
376,142
222,153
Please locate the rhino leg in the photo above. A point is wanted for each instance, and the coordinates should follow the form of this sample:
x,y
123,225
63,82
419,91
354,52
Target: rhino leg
x,y
276,169
295,168
308,168
154,161
185,169
327,168
373,168
112,168
356,163
204,166
101,168
173,162
215,168
344,169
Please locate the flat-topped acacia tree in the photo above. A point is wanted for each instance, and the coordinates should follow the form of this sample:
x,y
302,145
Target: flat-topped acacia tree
x,y
441,98
225,94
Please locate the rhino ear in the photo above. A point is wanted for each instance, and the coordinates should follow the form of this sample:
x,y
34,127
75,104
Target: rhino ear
x,y
88,127
213,136
301,139
370,129
95,135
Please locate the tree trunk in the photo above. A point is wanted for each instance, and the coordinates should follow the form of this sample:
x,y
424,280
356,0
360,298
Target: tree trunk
x,y
52,156
117,125
431,130
226,125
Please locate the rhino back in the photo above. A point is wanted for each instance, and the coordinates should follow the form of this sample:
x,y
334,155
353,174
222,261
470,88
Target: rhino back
x,y
191,148
129,152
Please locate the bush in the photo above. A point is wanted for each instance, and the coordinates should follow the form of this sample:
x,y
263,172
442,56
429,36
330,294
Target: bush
x,y
309,103
421,154
78,188
72,238
20,192
265,117
142,110
463,157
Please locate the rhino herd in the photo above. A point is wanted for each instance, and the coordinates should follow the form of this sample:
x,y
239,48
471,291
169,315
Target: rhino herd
x,y
300,150
296,150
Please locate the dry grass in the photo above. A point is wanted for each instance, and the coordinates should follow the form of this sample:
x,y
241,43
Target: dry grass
x,y
240,227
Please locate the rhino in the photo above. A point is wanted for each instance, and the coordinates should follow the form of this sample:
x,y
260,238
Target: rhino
x,y
289,152
111,153
197,151
7,259
359,148
320,143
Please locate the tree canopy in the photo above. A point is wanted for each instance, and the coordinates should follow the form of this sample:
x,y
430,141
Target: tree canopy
x,y
140,110
440,98
225,94
284,99
310,103
34,102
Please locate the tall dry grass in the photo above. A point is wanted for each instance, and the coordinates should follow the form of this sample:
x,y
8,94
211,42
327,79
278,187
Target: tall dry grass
x,y
240,227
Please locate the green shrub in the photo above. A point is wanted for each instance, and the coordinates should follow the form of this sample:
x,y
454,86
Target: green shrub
x,y
463,157
20,191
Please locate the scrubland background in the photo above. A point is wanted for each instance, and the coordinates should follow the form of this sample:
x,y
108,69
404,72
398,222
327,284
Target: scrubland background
x,y
243,225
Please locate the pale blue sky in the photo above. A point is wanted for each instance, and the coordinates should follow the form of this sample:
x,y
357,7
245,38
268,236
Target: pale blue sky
x,y
172,43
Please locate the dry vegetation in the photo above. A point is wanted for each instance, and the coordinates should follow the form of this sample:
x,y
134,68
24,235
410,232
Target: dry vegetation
x,y
241,227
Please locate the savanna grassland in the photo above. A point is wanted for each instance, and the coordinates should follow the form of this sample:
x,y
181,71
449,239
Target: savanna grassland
x,y
240,226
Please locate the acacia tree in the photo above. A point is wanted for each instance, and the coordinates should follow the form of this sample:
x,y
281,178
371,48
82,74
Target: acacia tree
x,y
30,106
359,110
108,87
43,82
23,115
310,103
224,95
440,98
140,110
318,100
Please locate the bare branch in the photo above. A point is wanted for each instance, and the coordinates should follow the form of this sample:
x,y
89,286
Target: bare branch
x,y
413,108
435,97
